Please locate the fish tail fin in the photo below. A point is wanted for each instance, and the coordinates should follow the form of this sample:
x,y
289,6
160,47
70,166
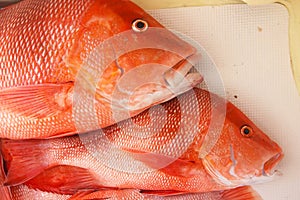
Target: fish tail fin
x,y
24,159
240,193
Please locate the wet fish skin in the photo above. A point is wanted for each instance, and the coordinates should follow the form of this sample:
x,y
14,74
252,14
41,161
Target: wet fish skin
x,y
240,193
142,161
243,193
42,50
22,192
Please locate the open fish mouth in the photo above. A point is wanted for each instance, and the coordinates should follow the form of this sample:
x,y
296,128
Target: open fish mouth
x,y
269,165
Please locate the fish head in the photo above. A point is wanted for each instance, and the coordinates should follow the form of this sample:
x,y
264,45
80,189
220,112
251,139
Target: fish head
x,y
146,63
243,154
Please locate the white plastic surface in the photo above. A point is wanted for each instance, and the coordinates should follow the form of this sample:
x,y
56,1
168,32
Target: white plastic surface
x,y
250,47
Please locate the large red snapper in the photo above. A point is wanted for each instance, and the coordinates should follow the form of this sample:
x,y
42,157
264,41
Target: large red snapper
x,y
242,193
22,192
161,150
52,53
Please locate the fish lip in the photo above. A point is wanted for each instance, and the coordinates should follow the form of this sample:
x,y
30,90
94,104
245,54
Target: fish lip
x,y
269,166
174,76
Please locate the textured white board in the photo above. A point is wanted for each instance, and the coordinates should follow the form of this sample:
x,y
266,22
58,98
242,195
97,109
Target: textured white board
x,y
249,45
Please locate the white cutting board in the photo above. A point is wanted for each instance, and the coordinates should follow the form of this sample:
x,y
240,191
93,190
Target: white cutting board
x,y
250,47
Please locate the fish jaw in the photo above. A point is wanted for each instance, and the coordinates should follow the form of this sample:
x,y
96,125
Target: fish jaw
x,y
151,93
151,84
266,174
269,166
178,72
175,81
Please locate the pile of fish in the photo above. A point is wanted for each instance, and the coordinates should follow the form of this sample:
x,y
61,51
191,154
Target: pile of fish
x,y
99,101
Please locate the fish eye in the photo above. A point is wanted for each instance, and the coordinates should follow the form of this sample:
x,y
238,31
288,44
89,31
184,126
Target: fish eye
x,y
139,25
246,131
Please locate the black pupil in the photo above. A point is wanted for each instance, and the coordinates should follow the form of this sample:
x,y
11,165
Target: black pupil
x,y
246,131
140,25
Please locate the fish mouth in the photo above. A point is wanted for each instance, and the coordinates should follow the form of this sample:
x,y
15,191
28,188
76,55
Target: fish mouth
x,y
182,75
267,174
175,81
158,87
269,165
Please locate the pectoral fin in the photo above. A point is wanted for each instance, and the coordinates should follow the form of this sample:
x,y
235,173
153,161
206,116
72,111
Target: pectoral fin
x,y
240,193
64,179
5,192
37,101
169,165
24,159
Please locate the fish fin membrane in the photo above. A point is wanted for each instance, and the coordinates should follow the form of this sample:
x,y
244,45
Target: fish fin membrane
x,y
24,159
5,193
2,171
64,179
36,101
169,165
108,194
60,135
240,193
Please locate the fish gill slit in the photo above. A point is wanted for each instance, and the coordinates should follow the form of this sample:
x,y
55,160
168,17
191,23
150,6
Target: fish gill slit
x,y
121,70
234,162
117,60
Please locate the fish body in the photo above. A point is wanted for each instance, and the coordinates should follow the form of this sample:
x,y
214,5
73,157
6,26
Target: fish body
x,y
57,57
242,193
22,192
158,149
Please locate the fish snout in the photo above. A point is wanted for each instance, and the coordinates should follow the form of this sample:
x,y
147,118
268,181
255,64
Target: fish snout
x,y
269,165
